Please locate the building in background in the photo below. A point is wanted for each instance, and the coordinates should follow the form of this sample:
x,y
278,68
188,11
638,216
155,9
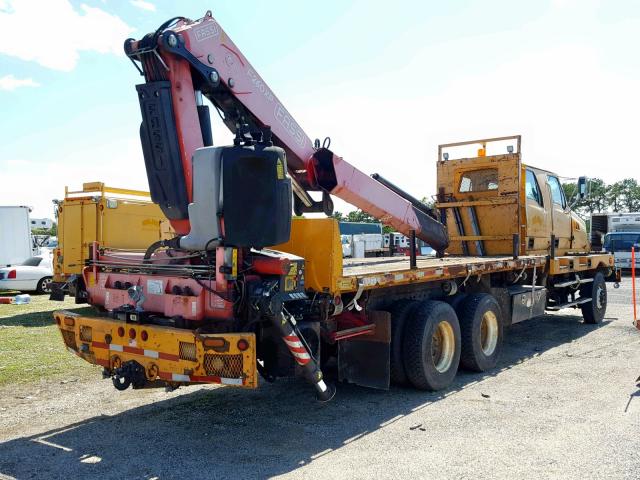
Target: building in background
x,y
46,223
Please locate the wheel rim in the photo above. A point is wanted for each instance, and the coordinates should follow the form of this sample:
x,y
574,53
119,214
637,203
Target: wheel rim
x,y
46,285
601,299
443,346
489,333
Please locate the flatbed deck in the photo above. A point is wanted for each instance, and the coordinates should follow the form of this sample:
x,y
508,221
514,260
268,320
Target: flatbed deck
x,y
368,273
365,266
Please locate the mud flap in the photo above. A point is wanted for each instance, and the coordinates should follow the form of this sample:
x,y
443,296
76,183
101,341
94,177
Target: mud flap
x,y
365,360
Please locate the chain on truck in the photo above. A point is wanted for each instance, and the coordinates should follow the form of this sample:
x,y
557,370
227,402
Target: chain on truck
x,y
244,290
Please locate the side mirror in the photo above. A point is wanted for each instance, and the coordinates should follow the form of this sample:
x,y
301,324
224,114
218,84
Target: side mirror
x,y
582,188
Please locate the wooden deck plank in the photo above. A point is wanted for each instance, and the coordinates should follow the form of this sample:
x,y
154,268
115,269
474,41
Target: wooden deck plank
x,y
354,267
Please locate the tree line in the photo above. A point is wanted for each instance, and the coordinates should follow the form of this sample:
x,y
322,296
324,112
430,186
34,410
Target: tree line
x,y
622,196
360,216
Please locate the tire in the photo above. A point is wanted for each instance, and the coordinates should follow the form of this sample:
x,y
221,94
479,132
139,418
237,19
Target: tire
x,y
455,301
594,311
44,285
431,345
482,330
400,311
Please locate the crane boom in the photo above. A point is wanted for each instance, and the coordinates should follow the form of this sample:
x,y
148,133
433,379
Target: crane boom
x,y
185,59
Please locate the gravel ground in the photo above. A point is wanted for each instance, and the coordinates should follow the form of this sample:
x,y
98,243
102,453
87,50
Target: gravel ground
x,y
562,405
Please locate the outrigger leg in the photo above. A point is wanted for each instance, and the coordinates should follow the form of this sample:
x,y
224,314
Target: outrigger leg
x,y
303,357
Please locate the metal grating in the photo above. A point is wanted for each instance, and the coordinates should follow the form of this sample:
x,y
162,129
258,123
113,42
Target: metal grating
x,y
85,333
187,351
227,366
69,337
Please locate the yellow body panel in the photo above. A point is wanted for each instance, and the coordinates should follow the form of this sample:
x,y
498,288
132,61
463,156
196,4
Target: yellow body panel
x,y
580,263
113,221
174,355
497,211
317,240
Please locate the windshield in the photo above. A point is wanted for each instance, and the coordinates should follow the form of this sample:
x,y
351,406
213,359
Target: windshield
x,y
620,242
32,262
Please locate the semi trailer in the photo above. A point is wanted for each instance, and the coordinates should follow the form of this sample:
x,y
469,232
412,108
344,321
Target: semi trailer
x,y
243,290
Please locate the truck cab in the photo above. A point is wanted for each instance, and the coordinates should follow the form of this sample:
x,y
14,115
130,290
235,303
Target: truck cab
x,y
495,204
549,212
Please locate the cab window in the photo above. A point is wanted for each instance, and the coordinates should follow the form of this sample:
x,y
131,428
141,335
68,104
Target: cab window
x,y
479,180
532,188
557,195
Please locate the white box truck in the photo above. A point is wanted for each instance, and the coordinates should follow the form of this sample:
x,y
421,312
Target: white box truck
x,y
15,235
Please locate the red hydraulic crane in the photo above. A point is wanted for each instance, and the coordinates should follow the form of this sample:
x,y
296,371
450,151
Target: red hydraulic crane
x,y
185,60
226,203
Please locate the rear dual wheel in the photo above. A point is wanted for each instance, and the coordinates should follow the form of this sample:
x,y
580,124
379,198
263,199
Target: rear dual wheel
x,y
400,312
482,332
430,339
431,345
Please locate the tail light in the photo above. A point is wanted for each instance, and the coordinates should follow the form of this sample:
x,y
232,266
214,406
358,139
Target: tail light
x,y
214,342
242,344
12,274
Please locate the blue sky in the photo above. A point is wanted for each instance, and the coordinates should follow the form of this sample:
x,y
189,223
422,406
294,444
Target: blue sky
x,y
388,81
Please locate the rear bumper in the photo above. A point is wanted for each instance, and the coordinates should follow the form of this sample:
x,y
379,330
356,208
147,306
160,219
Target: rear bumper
x,y
170,356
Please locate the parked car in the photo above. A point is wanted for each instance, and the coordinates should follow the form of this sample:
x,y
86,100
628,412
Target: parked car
x,y
33,275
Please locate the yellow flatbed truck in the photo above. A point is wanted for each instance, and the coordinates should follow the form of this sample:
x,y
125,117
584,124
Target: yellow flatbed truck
x,y
516,250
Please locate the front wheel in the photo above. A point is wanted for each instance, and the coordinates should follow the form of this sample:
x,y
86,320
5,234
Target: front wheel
x,y
431,346
594,310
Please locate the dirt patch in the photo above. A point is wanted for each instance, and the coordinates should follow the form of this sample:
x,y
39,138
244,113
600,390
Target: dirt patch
x,y
562,404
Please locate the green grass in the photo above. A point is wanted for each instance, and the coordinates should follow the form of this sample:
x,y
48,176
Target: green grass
x,y
31,347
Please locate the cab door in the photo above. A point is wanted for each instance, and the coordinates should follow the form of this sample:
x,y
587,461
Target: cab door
x,y
538,217
560,215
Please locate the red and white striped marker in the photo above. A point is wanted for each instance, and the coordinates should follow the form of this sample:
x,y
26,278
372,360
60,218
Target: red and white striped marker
x,y
296,348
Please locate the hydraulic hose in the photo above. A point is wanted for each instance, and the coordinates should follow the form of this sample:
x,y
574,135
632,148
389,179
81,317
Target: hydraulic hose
x,y
171,243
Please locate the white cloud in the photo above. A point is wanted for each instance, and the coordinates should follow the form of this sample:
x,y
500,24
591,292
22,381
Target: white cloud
x,y
57,33
148,6
26,181
9,82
